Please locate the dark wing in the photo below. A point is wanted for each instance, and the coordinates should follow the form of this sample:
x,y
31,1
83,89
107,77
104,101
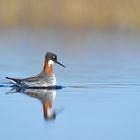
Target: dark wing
x,y
31,79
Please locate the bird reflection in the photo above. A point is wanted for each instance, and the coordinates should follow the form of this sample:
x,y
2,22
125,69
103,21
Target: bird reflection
x,y
46,96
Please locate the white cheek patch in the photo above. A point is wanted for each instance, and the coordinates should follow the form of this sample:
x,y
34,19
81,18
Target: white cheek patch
x,y
51,62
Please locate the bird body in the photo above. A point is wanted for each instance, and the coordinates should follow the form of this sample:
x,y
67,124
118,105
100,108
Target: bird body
x,y
44,79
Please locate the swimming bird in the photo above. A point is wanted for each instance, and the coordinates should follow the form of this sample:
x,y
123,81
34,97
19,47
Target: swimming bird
x,y
45,79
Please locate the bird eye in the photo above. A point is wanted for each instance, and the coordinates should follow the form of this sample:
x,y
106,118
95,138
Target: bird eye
x,y
53,57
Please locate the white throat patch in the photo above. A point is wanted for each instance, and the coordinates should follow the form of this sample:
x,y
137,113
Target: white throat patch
x,y
51,62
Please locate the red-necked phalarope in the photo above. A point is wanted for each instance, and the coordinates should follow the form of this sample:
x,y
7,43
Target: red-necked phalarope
x,y
44,79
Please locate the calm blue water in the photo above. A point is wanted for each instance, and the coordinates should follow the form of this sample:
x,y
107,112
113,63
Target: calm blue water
x,y
102,79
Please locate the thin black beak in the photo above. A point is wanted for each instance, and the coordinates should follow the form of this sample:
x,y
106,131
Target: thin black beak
x,y
60,64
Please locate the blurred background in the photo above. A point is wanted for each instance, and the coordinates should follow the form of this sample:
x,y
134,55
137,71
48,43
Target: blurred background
x,y
70,13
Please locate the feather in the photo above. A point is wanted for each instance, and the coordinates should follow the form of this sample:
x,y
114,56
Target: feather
x,y
14,81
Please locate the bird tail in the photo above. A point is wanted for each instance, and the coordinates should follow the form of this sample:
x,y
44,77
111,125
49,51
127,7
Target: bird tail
x,y
14,81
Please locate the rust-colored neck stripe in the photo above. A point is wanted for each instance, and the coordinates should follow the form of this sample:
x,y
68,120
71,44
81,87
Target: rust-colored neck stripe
x,y
47,106
48,68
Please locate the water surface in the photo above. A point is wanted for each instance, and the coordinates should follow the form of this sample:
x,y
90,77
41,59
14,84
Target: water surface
x,y
101,98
